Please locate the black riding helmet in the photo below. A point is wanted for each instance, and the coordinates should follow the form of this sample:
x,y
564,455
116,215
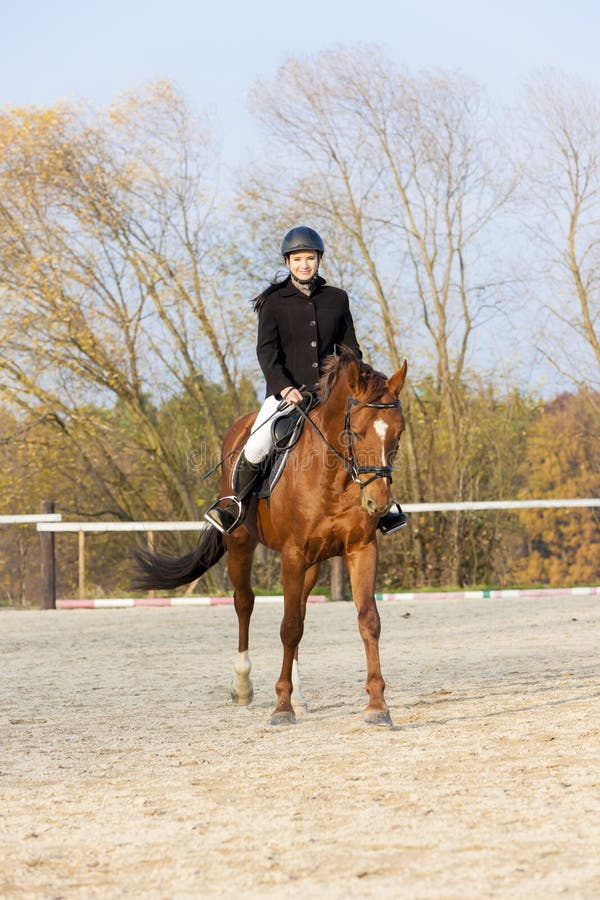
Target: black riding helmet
x,y
301,238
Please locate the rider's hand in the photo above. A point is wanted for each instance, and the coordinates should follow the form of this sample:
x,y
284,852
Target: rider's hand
x,y
291,395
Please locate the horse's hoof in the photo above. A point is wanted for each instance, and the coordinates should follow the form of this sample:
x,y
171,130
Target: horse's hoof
x,y
242,697
378,717
283,718
242,701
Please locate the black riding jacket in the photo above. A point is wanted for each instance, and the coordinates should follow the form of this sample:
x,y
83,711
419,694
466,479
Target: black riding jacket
x,y
296,333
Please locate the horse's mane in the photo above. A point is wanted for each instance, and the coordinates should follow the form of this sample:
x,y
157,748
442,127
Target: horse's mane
x,y
372,384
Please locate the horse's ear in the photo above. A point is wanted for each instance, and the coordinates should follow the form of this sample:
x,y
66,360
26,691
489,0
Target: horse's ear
x,y
353,374
396,382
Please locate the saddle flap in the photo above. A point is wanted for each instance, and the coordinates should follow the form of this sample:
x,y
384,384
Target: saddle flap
x,y
283,430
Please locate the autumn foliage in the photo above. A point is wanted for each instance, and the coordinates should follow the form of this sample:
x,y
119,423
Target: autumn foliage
x,y
128,336
562,458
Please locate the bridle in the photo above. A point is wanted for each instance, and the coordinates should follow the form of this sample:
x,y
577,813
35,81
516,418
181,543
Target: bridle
x,y
349,462
357,471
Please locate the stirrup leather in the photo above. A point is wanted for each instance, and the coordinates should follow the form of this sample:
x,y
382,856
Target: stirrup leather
x,y
215,521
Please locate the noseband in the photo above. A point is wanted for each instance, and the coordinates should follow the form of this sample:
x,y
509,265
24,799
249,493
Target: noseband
x,y
354,470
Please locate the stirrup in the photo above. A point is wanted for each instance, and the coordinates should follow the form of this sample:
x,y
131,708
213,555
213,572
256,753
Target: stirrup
x,y
397,520
216,522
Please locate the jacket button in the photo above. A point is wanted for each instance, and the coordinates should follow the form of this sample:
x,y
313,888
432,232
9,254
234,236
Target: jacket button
x,y
315,365
312,323
313,343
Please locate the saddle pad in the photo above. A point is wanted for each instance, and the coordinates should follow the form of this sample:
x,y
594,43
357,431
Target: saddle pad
x,y
286,432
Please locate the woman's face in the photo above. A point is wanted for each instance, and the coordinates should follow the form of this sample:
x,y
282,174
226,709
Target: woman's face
x,y
303,264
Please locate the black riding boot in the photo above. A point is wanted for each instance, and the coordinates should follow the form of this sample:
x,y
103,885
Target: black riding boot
x,y
226,518
393,519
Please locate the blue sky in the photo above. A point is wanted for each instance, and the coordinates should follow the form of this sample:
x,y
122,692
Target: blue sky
x,y
213,52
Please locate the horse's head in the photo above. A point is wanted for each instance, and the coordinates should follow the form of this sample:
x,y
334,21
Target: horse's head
x,y
373,425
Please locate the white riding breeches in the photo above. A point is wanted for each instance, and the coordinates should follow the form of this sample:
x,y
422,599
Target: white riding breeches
x,y
260,441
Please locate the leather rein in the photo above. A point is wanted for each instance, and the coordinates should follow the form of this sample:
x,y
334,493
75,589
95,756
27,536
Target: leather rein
x,y
348,462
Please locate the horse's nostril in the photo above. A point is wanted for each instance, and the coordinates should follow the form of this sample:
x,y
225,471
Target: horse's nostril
x,y
374,509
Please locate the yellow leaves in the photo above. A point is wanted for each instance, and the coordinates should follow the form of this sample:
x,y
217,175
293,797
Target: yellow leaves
x,y
563,460
31,133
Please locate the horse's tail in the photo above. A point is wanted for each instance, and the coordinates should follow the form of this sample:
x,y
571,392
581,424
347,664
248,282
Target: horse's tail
x,y
166,572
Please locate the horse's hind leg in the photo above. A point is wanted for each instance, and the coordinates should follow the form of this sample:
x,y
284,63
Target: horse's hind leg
x,y
241,548
310,579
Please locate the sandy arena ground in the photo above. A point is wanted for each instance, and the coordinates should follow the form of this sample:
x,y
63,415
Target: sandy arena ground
x,y
125,770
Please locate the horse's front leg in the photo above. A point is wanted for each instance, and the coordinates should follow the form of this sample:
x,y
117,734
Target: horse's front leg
x,y
293,569
362,565
241,550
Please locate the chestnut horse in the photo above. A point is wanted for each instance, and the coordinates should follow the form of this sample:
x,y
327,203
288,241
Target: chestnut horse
x,y
334,488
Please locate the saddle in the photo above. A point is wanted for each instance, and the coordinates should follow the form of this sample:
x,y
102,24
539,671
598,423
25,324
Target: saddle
x,y
285,431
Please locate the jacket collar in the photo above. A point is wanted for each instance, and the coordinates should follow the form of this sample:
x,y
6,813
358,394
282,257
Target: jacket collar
x,y
289,290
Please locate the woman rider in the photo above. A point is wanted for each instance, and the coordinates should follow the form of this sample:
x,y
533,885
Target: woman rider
x,y
300,321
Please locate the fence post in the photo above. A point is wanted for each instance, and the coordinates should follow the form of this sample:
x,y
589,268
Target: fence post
x,y
48,561
150,540
81,563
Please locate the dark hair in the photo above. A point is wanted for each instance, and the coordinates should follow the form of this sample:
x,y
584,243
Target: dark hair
x,y
258,302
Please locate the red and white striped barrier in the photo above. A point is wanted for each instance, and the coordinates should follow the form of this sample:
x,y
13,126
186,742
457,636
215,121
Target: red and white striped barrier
x,y
126,602
491,594
122,603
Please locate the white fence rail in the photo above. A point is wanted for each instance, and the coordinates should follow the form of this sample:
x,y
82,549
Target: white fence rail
x,y
498,504
49,524
52,522
100,527
30,519
463,505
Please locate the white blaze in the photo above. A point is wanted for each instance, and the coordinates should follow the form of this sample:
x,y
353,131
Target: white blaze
x,y
380,429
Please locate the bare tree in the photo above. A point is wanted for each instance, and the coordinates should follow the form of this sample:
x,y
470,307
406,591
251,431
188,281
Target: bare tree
x,y
114,289
561,124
